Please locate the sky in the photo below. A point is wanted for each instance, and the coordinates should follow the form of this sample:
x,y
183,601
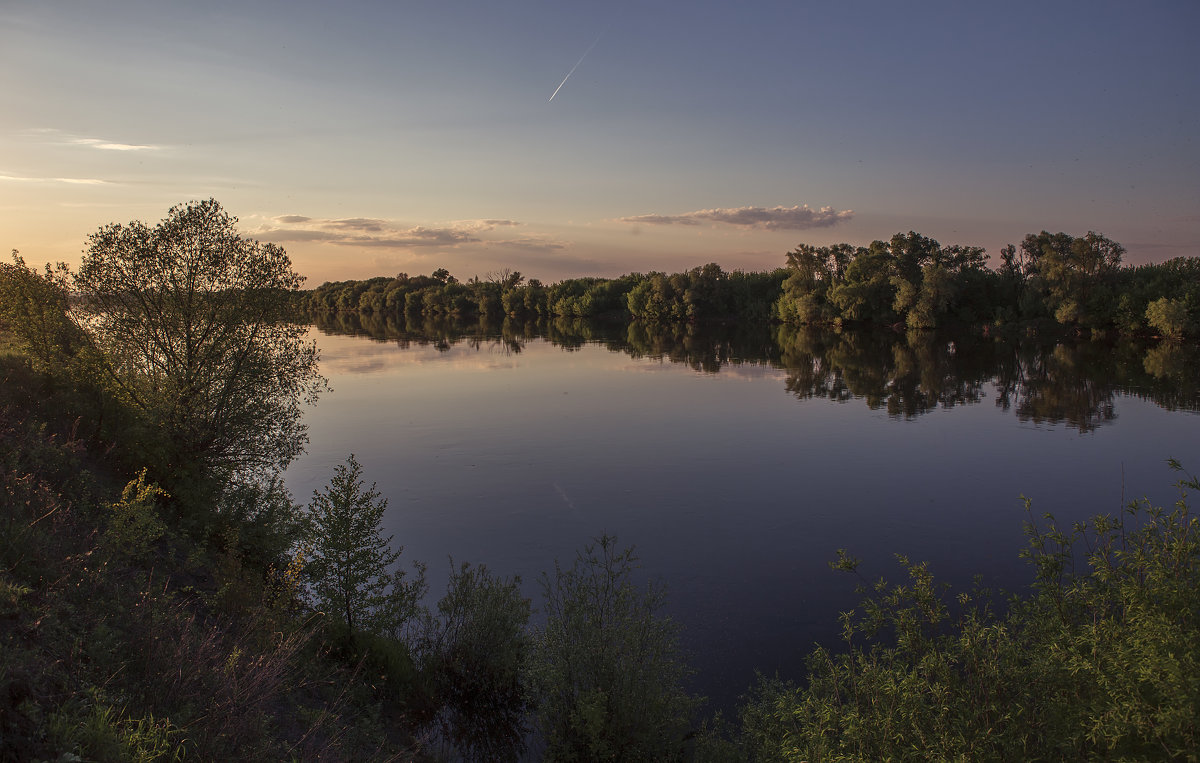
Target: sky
x,y
372,138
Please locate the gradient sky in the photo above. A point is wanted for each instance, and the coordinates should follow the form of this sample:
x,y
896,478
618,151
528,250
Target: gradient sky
x,y
370,138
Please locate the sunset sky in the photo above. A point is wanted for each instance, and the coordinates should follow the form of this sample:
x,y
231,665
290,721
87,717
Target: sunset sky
x,y
369,138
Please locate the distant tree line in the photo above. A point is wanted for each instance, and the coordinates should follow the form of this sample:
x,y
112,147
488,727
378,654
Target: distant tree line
x,y
912,280
908,281
703,293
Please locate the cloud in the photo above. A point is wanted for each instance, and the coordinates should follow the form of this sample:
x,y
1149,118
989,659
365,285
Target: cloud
x,y
564,262
283,235
366,224
53,135
800,217
414,238
482,242
106,145
663,219
71,181
483,226
379,233
529,244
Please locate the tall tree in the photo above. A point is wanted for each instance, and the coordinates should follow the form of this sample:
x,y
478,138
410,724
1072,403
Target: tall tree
x,y
1072,277
191,319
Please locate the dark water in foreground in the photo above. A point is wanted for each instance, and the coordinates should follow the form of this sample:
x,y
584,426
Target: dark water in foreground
x,y
739,461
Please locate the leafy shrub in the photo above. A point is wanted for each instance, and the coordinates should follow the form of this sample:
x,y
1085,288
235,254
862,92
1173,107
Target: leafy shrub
x,y
134,525
1099,663
606,669
474,654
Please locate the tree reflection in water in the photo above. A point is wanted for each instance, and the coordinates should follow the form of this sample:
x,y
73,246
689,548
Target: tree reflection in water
x,y
1072,382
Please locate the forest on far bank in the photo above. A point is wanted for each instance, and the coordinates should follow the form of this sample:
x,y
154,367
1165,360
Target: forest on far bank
x,y
1075,282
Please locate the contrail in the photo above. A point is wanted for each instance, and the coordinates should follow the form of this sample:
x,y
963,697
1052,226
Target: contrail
x,y
576,66
563,493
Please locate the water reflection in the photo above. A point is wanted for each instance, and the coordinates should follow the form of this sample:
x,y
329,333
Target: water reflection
x,y
907,375
738,459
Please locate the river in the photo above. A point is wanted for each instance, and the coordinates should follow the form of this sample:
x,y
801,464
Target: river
x,y
738,462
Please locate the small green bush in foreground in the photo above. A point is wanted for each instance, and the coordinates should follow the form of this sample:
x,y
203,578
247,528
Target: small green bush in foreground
x,y
1101,662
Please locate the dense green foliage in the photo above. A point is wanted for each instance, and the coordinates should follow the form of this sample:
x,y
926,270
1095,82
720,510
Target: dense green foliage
x,y
33,310
1098,663
702,293
473,652
605,668
177,341
910,280
143,623
191,322
122,639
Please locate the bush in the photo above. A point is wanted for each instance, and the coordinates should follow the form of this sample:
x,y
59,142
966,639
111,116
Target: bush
x,y
134,525
474,654
606,669
1099,663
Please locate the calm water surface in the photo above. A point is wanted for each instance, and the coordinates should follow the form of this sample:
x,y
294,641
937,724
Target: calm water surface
x,y
737,466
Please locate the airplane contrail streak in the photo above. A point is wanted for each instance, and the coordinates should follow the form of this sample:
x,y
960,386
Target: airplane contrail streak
x,y
576,66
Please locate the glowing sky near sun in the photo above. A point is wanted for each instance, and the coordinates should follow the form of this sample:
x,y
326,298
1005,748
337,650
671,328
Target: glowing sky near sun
x,y
375,137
